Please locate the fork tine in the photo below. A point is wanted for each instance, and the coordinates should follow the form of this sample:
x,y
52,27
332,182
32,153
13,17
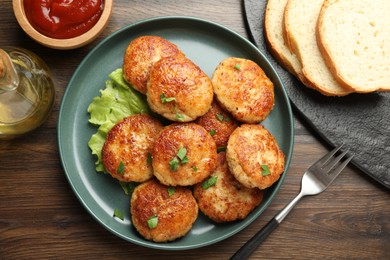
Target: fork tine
x,y
321,162
330,164
337,170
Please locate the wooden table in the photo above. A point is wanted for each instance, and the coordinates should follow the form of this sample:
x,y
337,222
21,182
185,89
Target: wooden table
x,y
40,217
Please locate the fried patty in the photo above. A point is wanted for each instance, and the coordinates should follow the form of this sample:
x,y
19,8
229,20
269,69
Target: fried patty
x,y
140,56
184,154
227,200
243,89
173,209
179,90
127,150
254,157
219,123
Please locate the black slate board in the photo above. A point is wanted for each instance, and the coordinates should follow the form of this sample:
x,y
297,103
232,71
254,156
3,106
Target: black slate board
x,y
360,121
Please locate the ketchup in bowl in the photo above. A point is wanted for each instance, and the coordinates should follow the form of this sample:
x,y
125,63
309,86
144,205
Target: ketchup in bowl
x,y
63,19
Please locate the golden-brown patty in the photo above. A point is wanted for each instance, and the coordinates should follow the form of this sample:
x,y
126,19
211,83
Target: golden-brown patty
x,y
161,213
127,150
243,89
227,200
254,157
179,90
219,123
141,54
184,154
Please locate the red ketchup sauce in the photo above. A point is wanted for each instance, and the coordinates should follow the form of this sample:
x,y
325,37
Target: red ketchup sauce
x,y
63,19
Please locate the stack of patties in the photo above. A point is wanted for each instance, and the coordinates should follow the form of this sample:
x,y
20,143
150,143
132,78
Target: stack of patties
x,y
336,47
212,155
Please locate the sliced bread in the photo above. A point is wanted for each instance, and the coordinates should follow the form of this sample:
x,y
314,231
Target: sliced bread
x,y
354,39
273,28
300,22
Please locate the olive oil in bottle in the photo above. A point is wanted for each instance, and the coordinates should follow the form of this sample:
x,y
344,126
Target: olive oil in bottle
x,y
26,92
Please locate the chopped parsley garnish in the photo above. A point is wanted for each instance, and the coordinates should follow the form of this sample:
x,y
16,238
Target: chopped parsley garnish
x,y
181,157
118,214
184,161
182,153
213,132
179,117
128,187
153,221
171,191
195,168
265,170
164,99
220,117
221,149
174,164
149,158
237,66
209,182
121,168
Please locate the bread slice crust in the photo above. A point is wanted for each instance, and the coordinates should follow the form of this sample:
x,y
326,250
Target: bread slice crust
x,y
354,39
300,20
273,31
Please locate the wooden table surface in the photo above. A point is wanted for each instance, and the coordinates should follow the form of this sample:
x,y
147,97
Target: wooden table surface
x,y
40,216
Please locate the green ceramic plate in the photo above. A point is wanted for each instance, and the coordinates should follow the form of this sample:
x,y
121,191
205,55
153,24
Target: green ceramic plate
x,y
206,44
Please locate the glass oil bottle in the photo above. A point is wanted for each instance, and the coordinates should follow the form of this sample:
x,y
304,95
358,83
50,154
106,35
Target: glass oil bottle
x,y
26,92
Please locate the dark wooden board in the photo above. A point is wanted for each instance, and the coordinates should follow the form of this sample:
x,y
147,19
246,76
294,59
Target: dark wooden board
x,y
360,121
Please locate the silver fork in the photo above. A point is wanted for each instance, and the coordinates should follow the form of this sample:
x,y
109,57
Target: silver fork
x,y
315,180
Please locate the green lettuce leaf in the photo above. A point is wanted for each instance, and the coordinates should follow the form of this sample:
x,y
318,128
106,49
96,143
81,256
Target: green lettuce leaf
x,y
117,101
